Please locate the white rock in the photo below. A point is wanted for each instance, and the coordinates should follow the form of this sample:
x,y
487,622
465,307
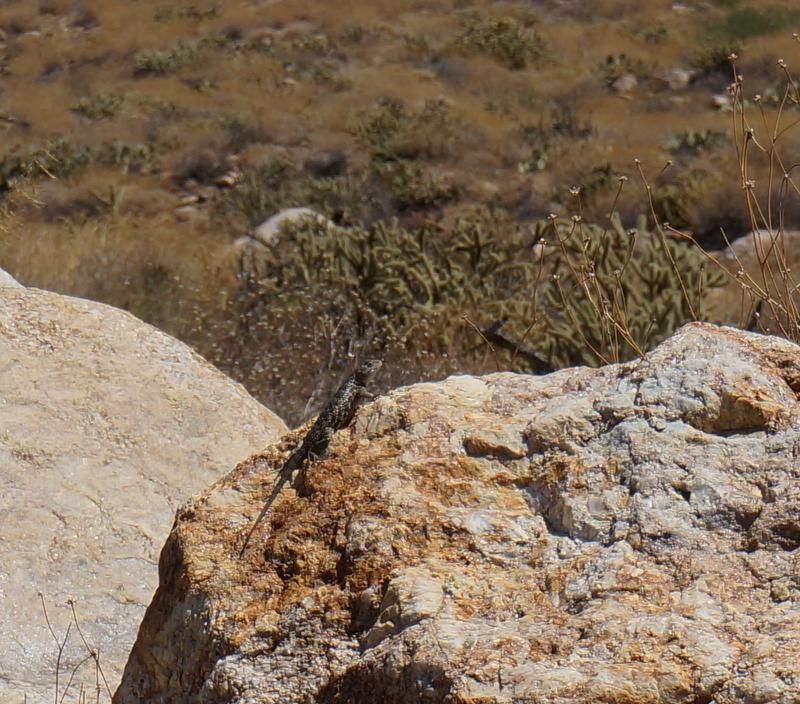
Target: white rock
x,y
722,102
7,280
625,84
187,213
629,533
679,78
106,426
269,231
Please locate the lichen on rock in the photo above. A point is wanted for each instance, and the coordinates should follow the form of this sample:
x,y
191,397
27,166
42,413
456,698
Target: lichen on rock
x,y
624,534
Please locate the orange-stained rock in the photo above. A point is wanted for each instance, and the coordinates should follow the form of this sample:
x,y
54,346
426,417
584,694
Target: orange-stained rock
x,y
629,534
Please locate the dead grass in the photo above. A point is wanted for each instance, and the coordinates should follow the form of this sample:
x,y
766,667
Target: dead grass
x,y
130,260
761,266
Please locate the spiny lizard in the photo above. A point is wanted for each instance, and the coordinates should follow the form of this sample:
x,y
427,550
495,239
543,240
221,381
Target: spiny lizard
x,y
336,415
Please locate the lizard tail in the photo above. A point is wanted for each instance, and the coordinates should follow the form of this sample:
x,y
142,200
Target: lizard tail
x,y
272,497
285,474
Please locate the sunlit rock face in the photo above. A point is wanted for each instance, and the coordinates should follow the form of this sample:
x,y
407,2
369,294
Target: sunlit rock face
x,y
106,426
624,534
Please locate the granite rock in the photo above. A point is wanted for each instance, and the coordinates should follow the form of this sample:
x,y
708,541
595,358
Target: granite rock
x,y
629,534
106,427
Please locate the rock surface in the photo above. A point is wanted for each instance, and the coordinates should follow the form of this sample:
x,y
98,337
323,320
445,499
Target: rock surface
x,y
625,84
747,251
679,78
268,232
106,426
262,238
758,261
629,534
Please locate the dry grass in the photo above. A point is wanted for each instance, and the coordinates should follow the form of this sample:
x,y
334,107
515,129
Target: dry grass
x,y
761,266
82,680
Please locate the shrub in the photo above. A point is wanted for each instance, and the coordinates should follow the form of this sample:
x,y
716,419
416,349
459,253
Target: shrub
x,y
716,58
588,300
503,38
159,62
189,12
99,106
390,132
564,125
596,180
414,186
752,22
674,201
61,158
692,141
609,303
57,158
657,35
355,33
128,157
420,46
278,184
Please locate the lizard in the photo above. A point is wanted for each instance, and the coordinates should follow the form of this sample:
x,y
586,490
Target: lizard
x,y
337,414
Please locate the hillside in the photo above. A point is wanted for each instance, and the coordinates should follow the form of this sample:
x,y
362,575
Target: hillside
x,y
140,140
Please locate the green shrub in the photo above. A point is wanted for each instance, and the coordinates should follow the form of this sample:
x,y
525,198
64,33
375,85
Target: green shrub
x,y
564,126
355,33
753,22
503,38
587,301
784,91
189,12
607,303
673,202
696,141
716,58
391,280
413,185
420,46
159,62
99,106
128,157
655,36
57,158
390,132
596,180
316,44
278,184
61,158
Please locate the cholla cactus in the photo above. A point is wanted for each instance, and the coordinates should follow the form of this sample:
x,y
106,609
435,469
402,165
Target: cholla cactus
x,y
594,295
617,293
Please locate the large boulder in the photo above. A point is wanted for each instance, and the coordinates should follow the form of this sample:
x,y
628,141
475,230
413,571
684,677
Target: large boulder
x,y
106,426
629,534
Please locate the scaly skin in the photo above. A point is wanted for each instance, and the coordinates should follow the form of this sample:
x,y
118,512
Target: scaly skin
x,y
336,415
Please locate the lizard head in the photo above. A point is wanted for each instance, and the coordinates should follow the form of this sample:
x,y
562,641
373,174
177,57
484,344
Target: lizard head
x,y
367,370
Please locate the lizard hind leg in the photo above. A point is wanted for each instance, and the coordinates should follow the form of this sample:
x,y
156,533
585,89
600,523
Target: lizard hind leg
x,y
300,480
